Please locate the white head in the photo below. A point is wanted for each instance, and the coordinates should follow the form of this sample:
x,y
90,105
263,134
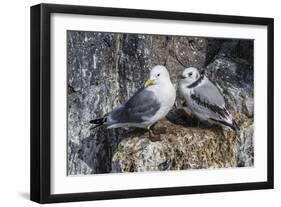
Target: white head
x,y
189,76
158,74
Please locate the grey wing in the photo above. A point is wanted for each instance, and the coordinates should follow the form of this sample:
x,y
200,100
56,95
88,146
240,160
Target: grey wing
x,y
208,102
210,94
137,109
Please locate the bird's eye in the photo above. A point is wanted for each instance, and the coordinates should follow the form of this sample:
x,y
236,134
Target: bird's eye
x,y
158,74
189,74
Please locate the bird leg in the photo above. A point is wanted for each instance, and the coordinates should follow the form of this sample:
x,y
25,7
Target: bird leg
x,y
198,123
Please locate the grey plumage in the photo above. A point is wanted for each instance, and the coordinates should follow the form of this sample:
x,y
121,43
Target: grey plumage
x,y
209,93
207,100
139,108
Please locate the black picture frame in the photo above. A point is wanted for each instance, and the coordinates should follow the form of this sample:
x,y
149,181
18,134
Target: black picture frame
x,y
41,97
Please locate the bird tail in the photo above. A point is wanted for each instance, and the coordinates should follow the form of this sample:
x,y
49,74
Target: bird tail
x,y
98,122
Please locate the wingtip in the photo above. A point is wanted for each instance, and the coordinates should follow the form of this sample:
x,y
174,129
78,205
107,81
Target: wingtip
x,y
235,126
98,122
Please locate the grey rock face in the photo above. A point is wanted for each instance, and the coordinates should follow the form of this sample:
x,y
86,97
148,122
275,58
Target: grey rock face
x,y
246,148
105,69
232,70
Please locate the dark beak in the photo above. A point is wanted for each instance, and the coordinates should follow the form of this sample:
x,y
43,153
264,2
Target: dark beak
x,y
181,77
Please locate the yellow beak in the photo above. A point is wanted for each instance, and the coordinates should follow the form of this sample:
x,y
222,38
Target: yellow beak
x,y
148,82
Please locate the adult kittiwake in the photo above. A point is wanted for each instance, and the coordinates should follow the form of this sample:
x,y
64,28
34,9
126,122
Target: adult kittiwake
x,y
148,105
204,98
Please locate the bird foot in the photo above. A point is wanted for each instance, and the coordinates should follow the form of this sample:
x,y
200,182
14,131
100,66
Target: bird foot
x,y
154,137
161,130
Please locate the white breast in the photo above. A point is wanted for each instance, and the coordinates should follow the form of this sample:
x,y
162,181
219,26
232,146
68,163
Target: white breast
x,y
166,95
185,92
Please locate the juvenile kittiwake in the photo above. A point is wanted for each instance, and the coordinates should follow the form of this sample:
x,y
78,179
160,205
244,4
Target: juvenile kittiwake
x,y
148,105
204,98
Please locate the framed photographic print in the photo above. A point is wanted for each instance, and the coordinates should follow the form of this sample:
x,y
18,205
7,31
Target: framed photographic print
x,y
132,103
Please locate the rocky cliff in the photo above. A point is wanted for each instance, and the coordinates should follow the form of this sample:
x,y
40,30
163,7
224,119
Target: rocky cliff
x,y
105,69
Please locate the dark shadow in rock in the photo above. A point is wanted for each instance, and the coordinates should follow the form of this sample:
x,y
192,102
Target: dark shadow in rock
x,y
212,49
97,149
133,132
180,117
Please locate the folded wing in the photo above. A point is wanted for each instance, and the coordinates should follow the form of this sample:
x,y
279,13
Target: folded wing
x,y
208,101
137,109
